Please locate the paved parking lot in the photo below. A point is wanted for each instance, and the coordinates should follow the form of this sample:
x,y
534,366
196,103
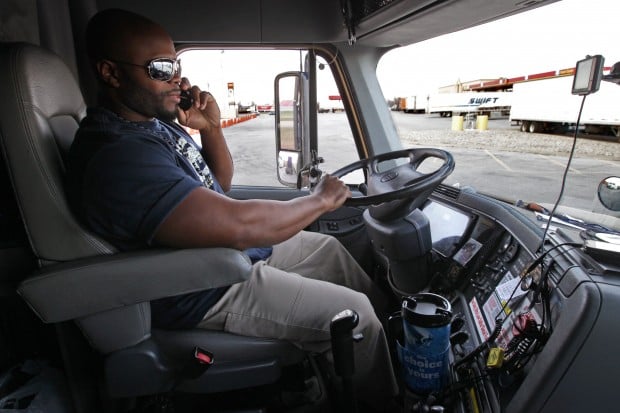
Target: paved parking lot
x,y
481,164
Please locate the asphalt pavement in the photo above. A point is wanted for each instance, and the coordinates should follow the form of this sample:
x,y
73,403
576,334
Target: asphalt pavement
x,y
513,175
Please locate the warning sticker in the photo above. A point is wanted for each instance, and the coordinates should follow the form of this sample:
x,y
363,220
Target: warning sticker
x,y
481,325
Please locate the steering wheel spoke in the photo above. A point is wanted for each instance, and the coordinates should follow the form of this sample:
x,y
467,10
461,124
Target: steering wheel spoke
x,y
401,188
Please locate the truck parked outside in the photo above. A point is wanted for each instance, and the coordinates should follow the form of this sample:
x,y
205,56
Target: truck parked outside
x,y
448,104
411,104
547,105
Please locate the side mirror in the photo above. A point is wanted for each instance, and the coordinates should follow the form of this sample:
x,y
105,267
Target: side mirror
x,y
290,113
609,193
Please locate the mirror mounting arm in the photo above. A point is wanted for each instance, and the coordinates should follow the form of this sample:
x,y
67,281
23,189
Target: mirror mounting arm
x,y
311,172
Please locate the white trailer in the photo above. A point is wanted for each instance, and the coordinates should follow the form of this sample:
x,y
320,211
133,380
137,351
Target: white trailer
x,y
548,105
448,104
411,104
502,104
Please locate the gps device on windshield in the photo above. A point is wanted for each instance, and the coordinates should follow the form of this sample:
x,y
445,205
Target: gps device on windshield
x,y
588,73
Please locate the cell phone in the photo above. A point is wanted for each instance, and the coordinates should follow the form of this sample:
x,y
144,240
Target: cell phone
x,y
186,100
588,73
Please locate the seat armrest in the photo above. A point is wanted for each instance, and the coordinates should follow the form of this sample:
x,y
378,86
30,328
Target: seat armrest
x,y
80,288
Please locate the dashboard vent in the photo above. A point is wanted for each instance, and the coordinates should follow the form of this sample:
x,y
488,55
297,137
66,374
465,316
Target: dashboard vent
x,y
448,191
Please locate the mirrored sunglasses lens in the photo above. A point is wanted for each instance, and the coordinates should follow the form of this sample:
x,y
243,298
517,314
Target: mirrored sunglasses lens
x,y
162,69
177,67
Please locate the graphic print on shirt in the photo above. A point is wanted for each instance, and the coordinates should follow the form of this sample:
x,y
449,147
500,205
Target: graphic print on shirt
x,y
191,153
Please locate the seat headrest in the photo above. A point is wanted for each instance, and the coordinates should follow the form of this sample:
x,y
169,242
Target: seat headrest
x,y
48,84
40,111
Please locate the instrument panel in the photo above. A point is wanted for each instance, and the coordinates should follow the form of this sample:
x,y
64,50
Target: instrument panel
x,y
520,315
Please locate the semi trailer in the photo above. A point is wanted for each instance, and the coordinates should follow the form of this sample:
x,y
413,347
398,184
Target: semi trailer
x,y
547,105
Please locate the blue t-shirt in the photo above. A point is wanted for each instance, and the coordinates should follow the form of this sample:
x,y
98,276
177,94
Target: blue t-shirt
x,y
124,179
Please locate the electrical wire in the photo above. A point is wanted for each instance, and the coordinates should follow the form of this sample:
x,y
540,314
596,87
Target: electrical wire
x,y
333,59
533,336
524,346
499,323
536,341
541,257
499,320
531,339
564,175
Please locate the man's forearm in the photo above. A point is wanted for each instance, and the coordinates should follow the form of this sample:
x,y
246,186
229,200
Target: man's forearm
x,y
266,222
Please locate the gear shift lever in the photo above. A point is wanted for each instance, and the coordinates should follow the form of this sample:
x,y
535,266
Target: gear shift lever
x,y
341,329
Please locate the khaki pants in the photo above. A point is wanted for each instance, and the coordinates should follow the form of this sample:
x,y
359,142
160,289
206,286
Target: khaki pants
x,y
293,296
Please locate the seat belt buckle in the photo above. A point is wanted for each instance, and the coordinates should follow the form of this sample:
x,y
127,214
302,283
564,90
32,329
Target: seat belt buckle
x,y
200,362
203,357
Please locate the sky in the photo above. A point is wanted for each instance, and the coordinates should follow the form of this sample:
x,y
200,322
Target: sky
x,y
548,38
252,72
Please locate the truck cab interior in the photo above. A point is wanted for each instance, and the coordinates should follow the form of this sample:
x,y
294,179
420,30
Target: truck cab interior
x,y
74,304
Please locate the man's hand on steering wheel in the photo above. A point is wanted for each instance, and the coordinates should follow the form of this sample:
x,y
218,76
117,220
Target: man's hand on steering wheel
x,y
332,191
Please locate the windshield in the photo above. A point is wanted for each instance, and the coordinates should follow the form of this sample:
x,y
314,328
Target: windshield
x,y
498,97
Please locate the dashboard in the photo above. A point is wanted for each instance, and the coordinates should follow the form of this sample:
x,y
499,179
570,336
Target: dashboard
x,y
533,328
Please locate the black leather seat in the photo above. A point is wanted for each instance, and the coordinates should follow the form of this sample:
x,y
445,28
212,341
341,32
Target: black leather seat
x,y
82,278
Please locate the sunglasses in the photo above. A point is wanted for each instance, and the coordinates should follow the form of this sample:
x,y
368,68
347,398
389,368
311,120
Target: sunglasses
x,y
161,69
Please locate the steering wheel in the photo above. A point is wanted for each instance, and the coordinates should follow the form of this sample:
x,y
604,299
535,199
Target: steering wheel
x,y
399,190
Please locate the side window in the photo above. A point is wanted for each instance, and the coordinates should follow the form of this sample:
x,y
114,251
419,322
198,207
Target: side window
x,y
242,81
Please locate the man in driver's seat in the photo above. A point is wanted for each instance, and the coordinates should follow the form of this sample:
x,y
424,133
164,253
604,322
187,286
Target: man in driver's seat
x,y
139,180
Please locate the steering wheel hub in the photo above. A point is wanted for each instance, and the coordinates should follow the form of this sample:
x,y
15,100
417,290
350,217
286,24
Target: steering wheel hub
x,y
389,176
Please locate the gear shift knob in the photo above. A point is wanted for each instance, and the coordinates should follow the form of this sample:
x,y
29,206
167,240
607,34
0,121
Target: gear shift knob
x,y
344,321
341,329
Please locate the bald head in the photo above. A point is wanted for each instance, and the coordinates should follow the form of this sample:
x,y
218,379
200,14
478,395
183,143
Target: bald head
x,y
119,34
121,45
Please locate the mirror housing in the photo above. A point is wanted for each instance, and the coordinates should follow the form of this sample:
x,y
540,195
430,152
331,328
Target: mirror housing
x,y
291,110
609,193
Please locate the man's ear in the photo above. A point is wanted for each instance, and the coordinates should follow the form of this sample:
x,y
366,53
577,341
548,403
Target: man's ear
x,y
108,72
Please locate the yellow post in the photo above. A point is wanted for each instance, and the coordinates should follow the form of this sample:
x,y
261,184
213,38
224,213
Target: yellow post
x,y
482,122
457,123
